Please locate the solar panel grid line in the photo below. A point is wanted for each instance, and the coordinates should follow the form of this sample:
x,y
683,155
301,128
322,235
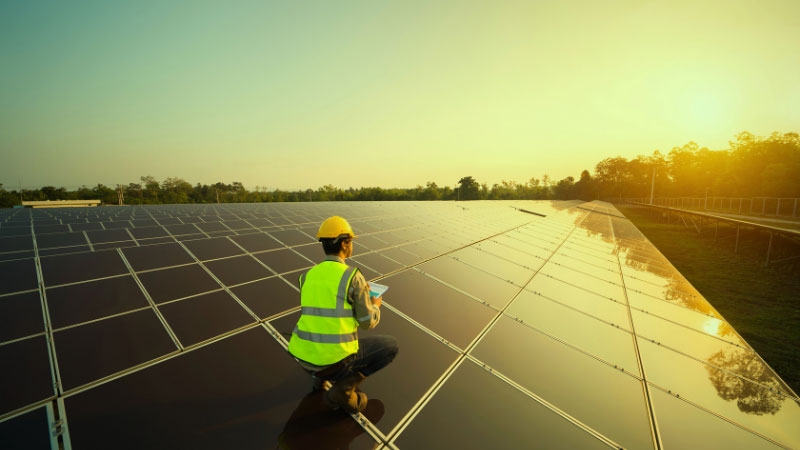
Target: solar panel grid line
x,y
220,336
583,288
48,325
650,260
632,276
38,402
521,251
555,251
601,269
444,244
566,343
22,291
151,302
251,256
693,330
426,397
722,417
133,238
573,308
404,423
56,419
153,362
554,408
532,244
222,285
29,409
19,339
583,272
457,289
586,255
656,435
781,392
415,265
100,319
88,241
372,430
479,336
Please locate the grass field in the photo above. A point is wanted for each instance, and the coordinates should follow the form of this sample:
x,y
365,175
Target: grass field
x,y
762,304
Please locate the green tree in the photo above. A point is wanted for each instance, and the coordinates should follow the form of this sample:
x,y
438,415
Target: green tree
x,y
506,190
777,181
612,175
565,189
584,188
468,189
751,155
52,193
133,194
7,199
430,192
175,190
105,194
150,190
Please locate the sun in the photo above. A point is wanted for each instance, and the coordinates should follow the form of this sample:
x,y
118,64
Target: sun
x,y
706,109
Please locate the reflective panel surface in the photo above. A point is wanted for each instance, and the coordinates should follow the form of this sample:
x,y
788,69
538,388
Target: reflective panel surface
x,y
204,317
596,393
19,275
531,426
165,326
178,282
27,431
27,377
452,315
76,303
98,349
20,315
268,297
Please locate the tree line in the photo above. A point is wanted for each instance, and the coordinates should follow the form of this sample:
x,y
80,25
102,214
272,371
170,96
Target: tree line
x,y
753,166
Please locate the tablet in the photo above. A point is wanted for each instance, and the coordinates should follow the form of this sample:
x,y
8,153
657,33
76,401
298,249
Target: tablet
x,y
377,290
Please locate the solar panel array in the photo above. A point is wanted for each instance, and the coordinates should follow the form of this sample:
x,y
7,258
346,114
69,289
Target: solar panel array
x,y
520,324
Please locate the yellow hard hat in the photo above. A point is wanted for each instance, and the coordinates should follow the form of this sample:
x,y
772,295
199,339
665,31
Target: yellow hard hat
x,y
335,227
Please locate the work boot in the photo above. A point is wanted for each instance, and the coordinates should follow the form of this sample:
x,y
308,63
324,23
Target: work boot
x,y
343,394
318,384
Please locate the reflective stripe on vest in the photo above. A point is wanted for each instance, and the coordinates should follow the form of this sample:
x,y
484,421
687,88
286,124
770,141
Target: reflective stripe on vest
x,y
326,331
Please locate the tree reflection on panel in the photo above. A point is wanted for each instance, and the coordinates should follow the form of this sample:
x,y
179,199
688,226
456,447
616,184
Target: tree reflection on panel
x,y
762,396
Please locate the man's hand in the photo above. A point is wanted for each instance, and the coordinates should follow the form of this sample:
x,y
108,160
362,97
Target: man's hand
x,y
377,301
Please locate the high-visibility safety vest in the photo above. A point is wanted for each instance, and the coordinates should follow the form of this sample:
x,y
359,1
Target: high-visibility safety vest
x,y
327,331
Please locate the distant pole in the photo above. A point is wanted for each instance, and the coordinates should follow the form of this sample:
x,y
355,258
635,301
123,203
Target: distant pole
x,y
653,185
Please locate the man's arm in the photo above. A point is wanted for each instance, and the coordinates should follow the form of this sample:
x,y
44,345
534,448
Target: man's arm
x,y
367,313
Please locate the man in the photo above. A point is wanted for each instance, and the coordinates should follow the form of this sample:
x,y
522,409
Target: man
x,y
335,301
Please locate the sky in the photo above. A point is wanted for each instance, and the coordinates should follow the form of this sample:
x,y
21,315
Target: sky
x,y
302,94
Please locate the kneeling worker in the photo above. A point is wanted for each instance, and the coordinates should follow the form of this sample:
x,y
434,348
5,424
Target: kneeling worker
x,y
335,301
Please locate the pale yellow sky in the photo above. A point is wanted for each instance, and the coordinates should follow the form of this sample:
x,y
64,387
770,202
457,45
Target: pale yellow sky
x,y
296,95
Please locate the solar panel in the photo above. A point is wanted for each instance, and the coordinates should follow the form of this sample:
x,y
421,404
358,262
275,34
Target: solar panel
x,y
520,324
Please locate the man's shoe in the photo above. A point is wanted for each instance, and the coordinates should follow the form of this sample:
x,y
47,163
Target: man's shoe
x,y
344,395
319,384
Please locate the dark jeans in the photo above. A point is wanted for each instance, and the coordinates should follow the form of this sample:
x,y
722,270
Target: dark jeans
x,y
374,353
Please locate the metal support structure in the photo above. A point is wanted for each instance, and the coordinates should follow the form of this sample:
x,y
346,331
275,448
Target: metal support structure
x,y
787,251
769,249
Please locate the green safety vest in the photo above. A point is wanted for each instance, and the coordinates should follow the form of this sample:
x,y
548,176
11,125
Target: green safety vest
x,y
327,331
